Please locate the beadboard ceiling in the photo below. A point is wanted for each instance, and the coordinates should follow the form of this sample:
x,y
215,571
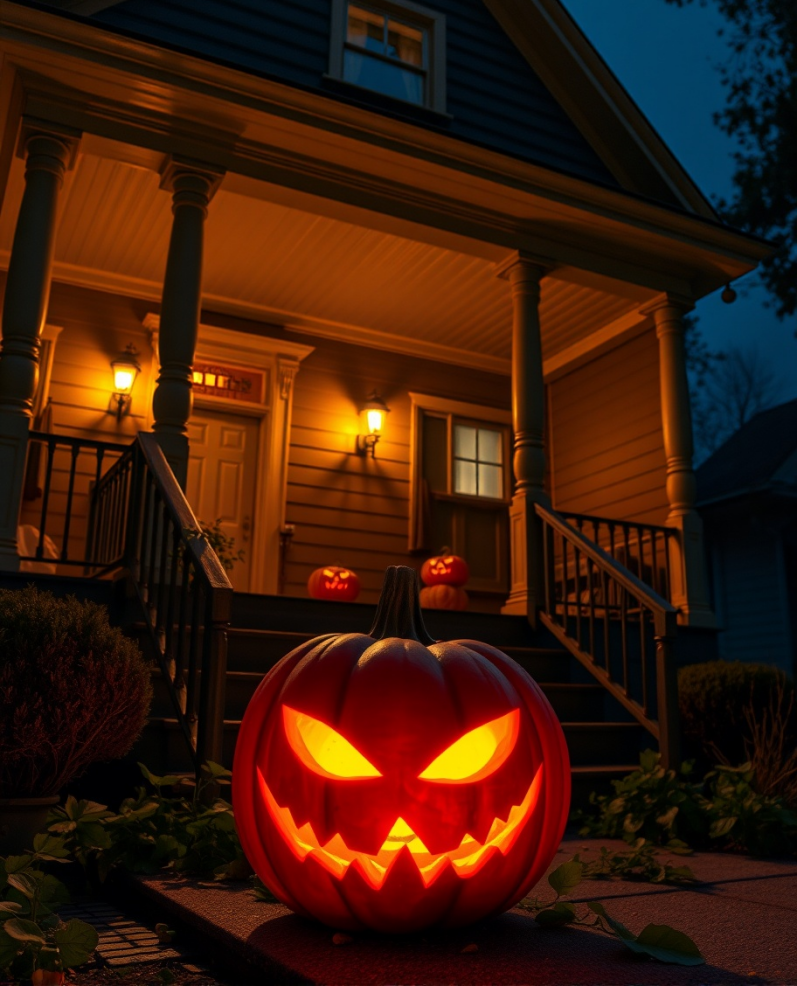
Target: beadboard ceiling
x,y
291,266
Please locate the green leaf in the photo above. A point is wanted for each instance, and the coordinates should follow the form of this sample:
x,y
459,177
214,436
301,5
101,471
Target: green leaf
x,y
667,945
216,770
554,917
721,827
616,926
168,781
25,883
53,891
9,947
76,941
24,930
8,908
50,847
566,878
15,864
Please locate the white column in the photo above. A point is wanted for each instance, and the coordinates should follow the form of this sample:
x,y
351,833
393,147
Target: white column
x,y
48,153
689,589
192,186
528,424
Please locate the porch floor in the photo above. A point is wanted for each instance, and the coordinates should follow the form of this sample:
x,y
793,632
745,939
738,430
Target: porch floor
x,y
741,916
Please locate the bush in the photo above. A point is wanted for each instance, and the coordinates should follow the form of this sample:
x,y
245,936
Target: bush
x,y
717,702
73,691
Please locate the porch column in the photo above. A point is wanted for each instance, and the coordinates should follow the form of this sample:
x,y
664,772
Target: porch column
x,y
687,561
192,186
49,153
528,425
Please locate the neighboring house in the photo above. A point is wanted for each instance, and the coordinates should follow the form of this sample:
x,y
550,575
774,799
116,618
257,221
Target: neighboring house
x,y
747,495
279,208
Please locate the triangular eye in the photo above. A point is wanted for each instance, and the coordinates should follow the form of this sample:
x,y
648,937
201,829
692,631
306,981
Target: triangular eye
x,y
323,749
476,754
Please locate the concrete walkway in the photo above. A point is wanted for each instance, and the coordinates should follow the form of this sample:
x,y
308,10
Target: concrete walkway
x,y
742,916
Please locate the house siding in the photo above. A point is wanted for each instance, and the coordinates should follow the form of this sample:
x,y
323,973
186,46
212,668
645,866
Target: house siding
x,y
349,509
494,98
748,585
606,436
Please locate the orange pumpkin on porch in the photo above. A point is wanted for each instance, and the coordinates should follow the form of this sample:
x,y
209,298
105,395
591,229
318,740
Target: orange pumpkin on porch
x,y
334,582
445,569
444,597
392,782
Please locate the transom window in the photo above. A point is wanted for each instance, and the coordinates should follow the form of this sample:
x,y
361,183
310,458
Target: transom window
x,y
392,47
478,461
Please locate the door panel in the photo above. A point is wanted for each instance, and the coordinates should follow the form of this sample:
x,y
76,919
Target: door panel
x,y
222,469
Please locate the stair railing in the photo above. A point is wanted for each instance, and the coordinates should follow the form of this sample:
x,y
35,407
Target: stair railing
x,y
603,614
184,592
644,549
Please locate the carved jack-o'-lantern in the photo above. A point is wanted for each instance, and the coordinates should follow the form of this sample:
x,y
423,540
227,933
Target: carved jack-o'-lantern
x,y
334,582
445,569
391,782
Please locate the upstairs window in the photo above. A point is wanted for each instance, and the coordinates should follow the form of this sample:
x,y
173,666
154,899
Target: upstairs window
x,y
396,49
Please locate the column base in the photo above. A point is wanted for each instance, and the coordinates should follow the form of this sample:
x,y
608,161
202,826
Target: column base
x,y
689,591
527,593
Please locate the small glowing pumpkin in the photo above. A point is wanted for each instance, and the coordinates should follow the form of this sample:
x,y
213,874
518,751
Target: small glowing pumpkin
x,y
445,569
444,597
333,582
392,782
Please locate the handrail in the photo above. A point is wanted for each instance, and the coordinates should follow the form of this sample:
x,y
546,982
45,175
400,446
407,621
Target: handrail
x,y
644,549
588,597
186,598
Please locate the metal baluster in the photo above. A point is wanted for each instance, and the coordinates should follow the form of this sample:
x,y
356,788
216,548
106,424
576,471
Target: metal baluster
x,y
46,497
604,587
69,497
214,678
194,663
624,634
591,592
577,564
643,659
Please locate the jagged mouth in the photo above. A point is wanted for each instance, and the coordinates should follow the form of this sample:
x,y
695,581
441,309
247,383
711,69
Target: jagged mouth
x,y
468,857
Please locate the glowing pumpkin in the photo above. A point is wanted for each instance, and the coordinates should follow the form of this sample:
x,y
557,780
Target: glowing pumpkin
x,y
443,597
333,582
391,782
445,569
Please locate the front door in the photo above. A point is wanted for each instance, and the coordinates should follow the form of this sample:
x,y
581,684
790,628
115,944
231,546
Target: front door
x,y
222,469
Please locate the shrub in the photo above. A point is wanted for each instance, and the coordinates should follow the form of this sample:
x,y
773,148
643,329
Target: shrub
x,y
717,702
73,691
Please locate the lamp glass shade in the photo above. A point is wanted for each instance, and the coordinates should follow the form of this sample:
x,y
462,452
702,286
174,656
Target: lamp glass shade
x,y
123,377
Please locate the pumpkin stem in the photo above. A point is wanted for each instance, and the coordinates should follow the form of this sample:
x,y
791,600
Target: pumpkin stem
x,y
398,612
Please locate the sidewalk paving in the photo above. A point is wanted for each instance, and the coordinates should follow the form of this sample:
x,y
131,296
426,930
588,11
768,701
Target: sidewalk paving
x,y
742,916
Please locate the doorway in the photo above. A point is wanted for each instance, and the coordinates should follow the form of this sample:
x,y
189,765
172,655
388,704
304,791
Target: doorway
x,y
222,473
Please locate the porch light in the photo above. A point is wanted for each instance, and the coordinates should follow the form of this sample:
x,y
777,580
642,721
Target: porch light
x,y
372,421
125,370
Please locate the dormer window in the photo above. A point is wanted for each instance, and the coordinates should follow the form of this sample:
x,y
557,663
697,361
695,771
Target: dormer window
x,y
396,49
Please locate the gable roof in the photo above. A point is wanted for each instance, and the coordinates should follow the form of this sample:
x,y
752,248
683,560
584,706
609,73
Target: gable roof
x,y
753,458
590,126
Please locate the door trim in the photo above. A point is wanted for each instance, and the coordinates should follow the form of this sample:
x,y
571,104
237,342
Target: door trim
x,y
279,359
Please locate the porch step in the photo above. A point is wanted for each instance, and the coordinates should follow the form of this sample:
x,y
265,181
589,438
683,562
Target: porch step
x,y
604,744
570,701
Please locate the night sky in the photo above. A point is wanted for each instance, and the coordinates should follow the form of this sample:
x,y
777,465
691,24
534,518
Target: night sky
x,y
666,57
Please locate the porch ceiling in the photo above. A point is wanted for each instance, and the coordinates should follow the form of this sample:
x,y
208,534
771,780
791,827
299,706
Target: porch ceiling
x,y
295,268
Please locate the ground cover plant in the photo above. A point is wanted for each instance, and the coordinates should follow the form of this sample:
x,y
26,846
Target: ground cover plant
x,y
34,943
723,811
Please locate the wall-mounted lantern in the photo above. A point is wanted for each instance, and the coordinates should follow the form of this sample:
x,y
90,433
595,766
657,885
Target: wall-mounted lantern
x,y
125,369
372,421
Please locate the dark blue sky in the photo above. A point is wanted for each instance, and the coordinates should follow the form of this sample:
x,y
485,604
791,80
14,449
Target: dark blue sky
x,y
666,58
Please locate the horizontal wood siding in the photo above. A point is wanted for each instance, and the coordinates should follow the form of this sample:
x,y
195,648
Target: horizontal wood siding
x,y
349,509
494,97
607,439
748,583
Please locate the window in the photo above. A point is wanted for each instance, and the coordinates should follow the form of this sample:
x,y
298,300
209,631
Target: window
x,y
393,48
461,485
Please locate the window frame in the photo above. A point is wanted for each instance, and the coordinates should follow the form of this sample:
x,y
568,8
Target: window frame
x,y
414,15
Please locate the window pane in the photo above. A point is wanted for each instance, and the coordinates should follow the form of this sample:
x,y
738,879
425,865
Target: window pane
x,y
464,442
490,481
405,42
465,477
489,446
366,29
384,77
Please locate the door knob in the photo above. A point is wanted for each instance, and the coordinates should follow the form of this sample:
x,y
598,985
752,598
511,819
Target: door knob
x,y
246,527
